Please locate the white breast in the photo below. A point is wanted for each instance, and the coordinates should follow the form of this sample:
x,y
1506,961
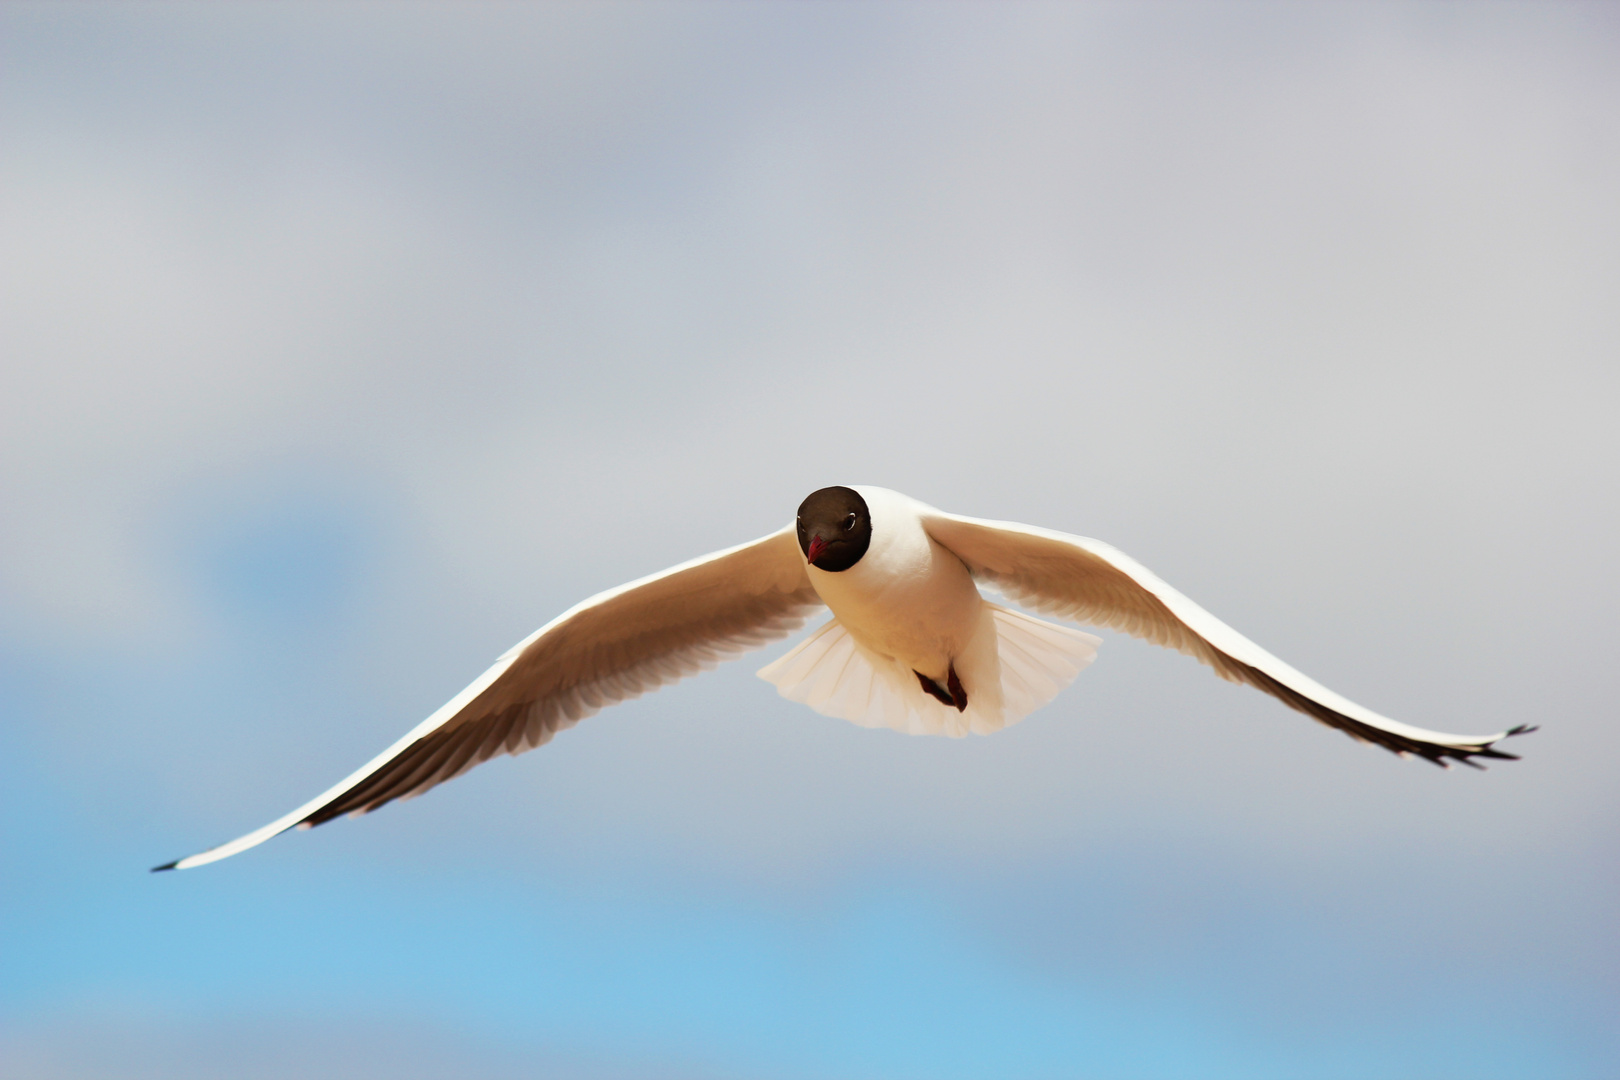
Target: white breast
x,y
908,599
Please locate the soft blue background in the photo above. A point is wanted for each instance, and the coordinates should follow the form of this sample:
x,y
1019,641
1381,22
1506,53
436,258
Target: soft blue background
x,y
342,346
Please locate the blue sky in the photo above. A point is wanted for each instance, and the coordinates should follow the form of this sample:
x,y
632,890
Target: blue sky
x,y
342,346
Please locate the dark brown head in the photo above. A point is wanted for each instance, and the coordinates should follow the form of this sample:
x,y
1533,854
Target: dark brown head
x,y
835,528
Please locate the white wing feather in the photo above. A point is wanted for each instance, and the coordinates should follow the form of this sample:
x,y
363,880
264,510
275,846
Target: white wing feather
x,y
616,645
1090,582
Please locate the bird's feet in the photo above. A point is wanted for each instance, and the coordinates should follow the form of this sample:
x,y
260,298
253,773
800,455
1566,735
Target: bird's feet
x,y
950,694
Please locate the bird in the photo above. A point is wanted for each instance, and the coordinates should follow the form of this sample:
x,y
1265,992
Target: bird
x,y
912,644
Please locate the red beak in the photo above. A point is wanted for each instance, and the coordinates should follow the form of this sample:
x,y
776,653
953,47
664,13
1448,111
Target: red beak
x,y
817,546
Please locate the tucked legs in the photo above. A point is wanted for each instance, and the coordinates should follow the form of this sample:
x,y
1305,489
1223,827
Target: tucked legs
x,y
950,694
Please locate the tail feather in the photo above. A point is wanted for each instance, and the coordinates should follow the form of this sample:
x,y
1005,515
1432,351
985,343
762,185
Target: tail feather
x,y
1038,659
1015,664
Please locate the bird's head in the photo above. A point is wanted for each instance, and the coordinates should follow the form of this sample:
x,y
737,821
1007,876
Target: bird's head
x,y
835,528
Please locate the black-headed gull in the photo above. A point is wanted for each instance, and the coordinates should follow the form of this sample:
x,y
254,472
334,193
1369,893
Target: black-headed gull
x,y
912,645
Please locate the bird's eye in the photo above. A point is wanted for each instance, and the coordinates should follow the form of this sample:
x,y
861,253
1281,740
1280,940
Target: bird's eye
x,y
849,523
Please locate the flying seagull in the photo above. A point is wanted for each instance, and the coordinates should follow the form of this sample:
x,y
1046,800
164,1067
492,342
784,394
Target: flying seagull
x,y
912,645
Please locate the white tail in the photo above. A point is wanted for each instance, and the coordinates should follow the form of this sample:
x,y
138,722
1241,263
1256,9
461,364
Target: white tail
x,y
1015,664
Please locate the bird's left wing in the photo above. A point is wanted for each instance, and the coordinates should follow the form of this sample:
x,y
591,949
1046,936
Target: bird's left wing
x,y
1088,581
617,645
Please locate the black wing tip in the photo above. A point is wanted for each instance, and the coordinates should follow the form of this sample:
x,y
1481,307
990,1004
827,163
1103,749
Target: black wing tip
x,y
1466,755
1440,754
166,866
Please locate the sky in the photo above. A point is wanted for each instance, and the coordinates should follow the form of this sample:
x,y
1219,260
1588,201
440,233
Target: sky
x,y
341,346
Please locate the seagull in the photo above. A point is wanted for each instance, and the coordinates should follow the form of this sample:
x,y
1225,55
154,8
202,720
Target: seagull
x,y
912,645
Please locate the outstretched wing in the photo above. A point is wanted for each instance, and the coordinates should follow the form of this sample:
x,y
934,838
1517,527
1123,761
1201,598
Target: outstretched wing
x,y
617,645
1088,581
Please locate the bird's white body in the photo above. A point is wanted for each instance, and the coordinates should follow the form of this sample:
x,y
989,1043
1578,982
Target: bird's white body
x,y
909,607
908,599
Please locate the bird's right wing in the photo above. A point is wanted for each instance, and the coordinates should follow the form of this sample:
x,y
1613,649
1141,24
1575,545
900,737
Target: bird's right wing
x,y
617,645
1086,580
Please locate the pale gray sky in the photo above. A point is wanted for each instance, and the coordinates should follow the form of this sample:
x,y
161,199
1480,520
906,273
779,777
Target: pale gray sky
x,y
342,346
